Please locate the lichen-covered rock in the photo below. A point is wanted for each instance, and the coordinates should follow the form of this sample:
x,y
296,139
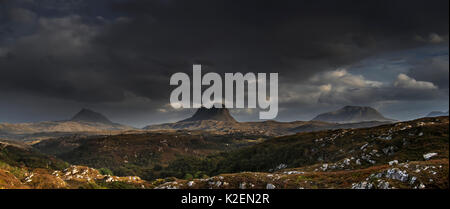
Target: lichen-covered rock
x,y
429,155
270,186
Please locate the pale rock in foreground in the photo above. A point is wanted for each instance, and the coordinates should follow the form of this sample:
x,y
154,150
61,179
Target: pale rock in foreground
x,y
270,186
429,155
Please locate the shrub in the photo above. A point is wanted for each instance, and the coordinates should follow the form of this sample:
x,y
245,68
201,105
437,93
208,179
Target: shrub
x,y
188,176
157,167
105,171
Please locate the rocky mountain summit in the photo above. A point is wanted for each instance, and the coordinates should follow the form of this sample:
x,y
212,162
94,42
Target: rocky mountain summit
x,y
86,115
352,114
213,113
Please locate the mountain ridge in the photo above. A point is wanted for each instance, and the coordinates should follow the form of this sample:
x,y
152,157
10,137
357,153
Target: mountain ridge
x,y
85,122
213,113
437,114
220,120
352,114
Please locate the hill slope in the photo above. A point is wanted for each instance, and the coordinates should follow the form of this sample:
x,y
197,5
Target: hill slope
x,y
22,167
406,175
332,151
141,154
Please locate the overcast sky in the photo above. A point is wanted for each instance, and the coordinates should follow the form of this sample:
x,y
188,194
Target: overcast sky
x,y
116,57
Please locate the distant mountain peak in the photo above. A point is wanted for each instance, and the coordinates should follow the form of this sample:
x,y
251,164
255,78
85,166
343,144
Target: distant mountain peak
x,y
213,113
437,114
352,114
353,107
87,115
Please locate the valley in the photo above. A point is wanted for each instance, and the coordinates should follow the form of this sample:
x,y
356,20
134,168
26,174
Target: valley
x,y
142,154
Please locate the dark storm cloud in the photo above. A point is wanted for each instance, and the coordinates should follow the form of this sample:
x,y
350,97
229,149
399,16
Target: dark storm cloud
x,y
274,36
435,70
97,51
